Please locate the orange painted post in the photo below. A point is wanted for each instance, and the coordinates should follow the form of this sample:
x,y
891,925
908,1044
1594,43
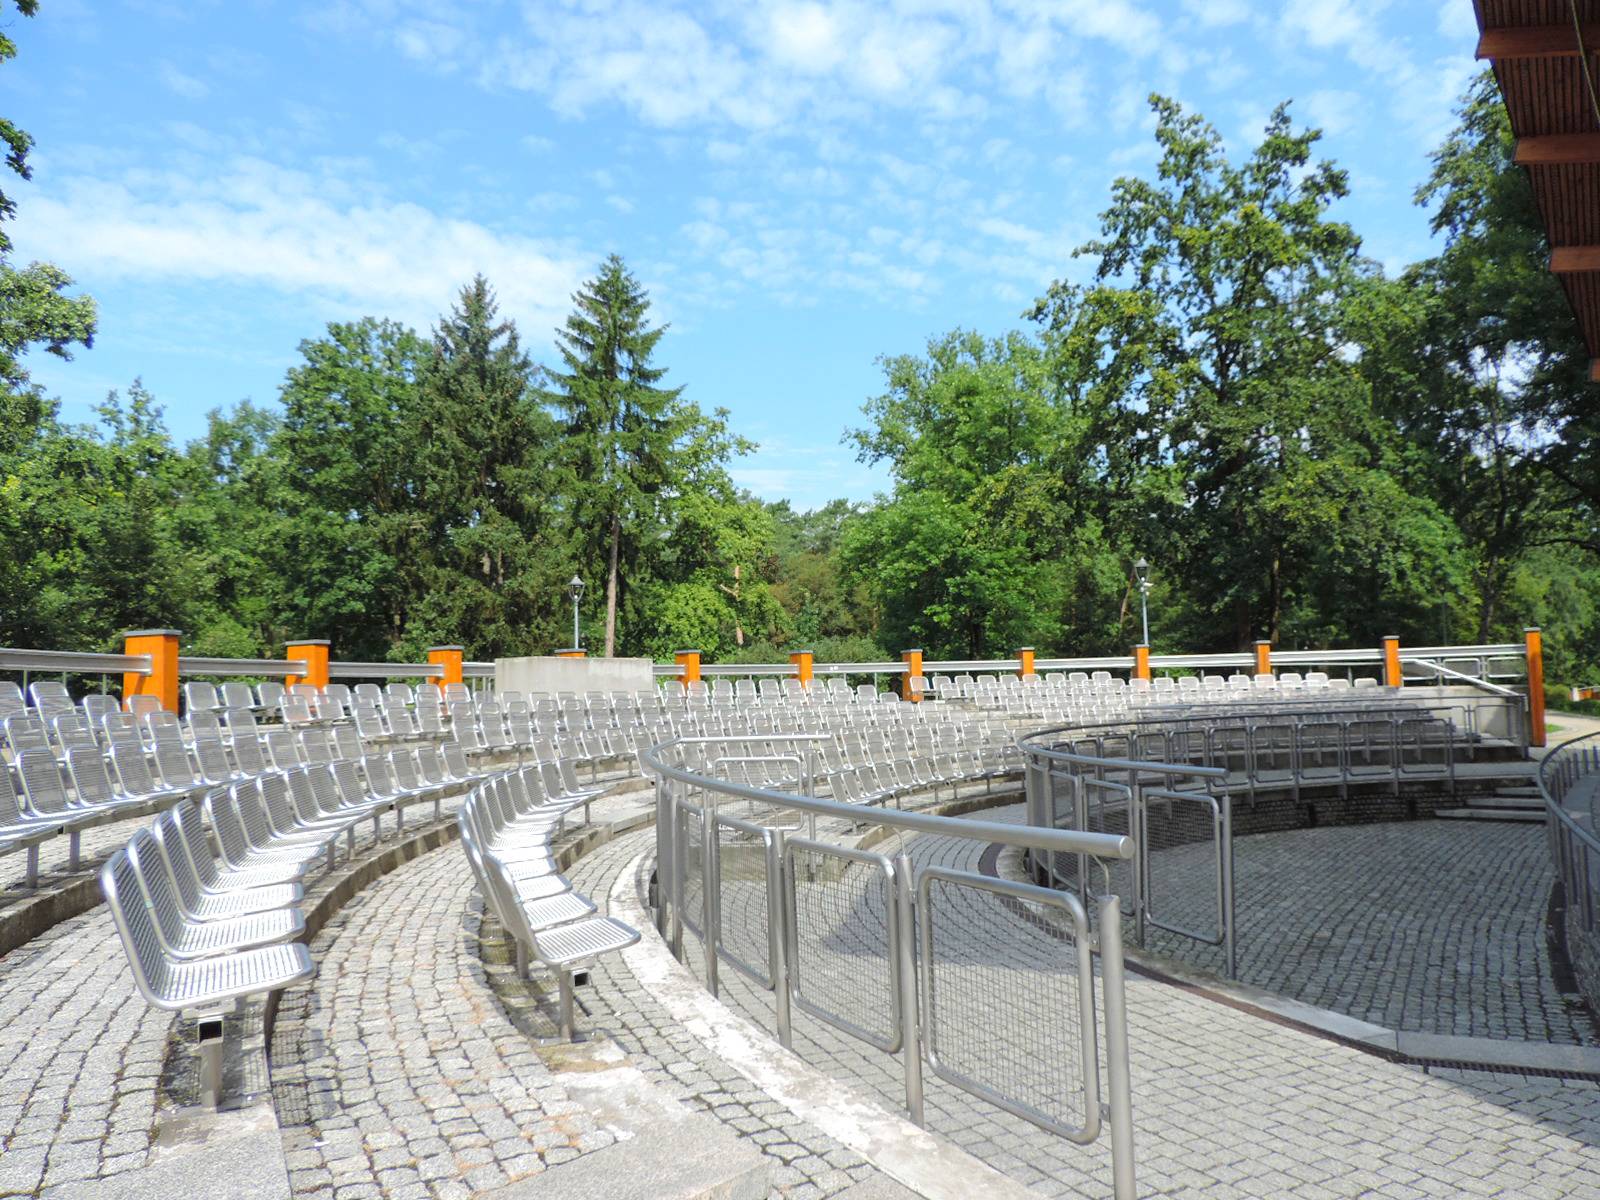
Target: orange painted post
x,y
688,666
908,690
448,657
572,654
1141,662
1391,662
162,682
1263,658
314,653
1534,641
1025,662
803,661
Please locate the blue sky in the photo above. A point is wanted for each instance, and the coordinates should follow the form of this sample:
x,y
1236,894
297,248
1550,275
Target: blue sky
x,y
802,186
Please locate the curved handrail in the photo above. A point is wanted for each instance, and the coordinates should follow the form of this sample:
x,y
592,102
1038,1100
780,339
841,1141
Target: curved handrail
x,y
1556,807
1025,743
1099,845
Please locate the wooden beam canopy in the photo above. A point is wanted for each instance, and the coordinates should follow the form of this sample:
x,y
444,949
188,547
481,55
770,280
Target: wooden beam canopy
x,y
1569,260
1558,149
1537,41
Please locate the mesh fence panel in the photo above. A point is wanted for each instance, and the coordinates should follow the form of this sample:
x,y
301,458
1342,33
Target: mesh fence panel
x,y
1181,880
842,966
1002,1013
691,854
743,916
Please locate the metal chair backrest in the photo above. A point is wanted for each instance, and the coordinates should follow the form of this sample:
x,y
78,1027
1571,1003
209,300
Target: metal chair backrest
x,y
143,706
347,742
135,927
176,767
283,749
186,825
90,780
41,783
236,694
133,770
200,696
50,697
26,731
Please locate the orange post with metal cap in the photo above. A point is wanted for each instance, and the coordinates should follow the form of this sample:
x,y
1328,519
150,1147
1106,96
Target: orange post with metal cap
x,y
1025,662
803,662
1391,662
572,654
909,690
1533,641
162,682
1141,663
1263,658
688,666
314,653
448,659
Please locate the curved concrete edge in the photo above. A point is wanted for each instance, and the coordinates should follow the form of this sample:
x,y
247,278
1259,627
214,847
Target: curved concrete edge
x,y
913,1157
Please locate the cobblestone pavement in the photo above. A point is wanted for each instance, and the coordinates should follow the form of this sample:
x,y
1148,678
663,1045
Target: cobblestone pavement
x,y
80,1059
1226,1104
1422,926
396,1072
96,845
805,1163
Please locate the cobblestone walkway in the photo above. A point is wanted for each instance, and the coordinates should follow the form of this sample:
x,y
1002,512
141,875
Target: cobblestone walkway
x,y
1226,1105
1422,926
80,1059
396,1072
806,1164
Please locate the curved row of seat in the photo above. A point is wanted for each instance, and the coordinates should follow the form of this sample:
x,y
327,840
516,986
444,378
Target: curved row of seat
x,y
508,826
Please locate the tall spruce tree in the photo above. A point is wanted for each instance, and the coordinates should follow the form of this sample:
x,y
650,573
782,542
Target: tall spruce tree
x,y
622,444
485,483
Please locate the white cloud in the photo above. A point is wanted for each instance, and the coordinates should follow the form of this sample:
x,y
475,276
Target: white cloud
x,y
1212,13
1335,111
180,84
348,249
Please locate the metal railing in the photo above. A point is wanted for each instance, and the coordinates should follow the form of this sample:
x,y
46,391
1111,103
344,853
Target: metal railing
x,y
1171,783
878,947
1569,782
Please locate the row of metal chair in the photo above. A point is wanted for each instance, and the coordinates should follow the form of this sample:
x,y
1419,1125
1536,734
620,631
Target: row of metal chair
x,y
508,825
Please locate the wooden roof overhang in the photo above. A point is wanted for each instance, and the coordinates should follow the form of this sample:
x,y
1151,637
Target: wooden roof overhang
x,y
1546,57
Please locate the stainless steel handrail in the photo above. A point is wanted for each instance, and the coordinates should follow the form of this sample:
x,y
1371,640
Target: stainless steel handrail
x,y
1574,850
1438,668
72,662
192,665
682,849
1099,845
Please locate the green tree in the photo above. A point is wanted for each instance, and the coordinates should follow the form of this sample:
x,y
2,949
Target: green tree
x,y
34,307
496,575
629,449
1212,341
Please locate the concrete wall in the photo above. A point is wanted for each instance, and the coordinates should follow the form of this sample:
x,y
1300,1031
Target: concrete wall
x,y
529,675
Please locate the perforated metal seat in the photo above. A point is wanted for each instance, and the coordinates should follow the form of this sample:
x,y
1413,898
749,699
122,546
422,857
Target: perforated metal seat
x,y
205,985
183,939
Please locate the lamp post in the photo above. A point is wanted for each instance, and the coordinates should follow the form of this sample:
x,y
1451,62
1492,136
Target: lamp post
x,y
1141,572
575,590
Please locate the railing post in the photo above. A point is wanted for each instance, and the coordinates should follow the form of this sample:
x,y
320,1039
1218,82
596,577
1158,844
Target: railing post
x,y
314,653
1391,662
449,659
1533,641
909,690
1025,662
688,666
778,938
162,682
572,652
803,662
1263,658
1119,1077
710,891
1141,662
910,1019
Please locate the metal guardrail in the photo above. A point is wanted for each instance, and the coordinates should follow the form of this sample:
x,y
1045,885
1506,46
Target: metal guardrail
x,y
1569,783
382,670
1172,781
833,930
188,665
62,662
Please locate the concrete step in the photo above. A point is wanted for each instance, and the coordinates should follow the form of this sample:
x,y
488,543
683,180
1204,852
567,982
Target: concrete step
x,y
1500,800
1530,790
1508,815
